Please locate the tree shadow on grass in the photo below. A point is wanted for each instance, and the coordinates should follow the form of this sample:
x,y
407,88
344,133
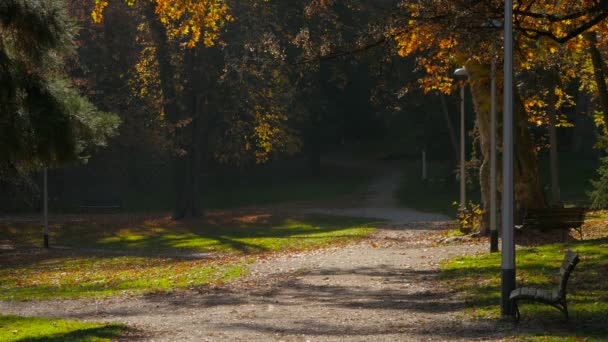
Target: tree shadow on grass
x,y
110,331
243,234
159,250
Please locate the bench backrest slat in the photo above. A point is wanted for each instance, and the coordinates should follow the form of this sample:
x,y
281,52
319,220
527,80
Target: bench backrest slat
x,y
570,261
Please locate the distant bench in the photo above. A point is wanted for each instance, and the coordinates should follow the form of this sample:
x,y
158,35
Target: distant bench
x,y
553,219
101,205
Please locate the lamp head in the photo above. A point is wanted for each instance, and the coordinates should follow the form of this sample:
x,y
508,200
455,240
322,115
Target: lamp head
x,y
461,74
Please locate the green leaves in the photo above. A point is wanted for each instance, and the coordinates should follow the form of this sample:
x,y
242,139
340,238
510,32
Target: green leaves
x,y
43,119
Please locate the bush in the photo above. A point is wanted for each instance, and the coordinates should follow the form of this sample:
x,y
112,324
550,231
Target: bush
x,y
470,218
599,194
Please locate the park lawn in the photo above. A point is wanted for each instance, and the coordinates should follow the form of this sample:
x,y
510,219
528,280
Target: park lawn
x,y
152,255
15,328
478,278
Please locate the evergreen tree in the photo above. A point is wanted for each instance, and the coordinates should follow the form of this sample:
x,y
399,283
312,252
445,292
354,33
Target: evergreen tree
x,y
43,119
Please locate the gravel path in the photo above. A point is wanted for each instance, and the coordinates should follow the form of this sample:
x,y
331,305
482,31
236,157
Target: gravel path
x,y
384,288
380,202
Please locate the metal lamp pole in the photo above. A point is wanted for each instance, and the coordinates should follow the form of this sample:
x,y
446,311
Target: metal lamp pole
x,y
463,174
45,208
493,223
461,73
508,245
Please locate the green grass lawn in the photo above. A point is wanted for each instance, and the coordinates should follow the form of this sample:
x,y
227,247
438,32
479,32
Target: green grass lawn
x,y
14,328
478,278
112,255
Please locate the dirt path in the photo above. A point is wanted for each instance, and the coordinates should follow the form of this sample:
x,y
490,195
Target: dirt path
x,y
382,289
380,202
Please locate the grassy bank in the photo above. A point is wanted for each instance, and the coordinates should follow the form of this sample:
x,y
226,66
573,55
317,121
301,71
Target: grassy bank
x,y
110,255
478,278
14,328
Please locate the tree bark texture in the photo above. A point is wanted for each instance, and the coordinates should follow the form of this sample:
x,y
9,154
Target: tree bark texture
x,y
186,135
599,71
527,187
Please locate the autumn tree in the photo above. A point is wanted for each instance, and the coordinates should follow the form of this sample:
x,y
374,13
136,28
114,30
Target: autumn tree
x,y
442,36
221,99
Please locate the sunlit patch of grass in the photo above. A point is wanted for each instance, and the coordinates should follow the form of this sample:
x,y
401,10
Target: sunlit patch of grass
x,y
14,328
90,276
478,279
165,235
157,255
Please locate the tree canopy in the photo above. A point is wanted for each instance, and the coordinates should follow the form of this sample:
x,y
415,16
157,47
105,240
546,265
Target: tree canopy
x,y
43,119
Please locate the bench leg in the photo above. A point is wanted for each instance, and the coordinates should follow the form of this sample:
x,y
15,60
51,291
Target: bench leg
x,y
516,314
562,307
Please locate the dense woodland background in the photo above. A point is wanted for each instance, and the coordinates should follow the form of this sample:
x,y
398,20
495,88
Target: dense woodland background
x,y
282,90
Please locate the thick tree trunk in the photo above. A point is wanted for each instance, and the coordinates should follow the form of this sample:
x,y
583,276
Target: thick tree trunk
x,y
599,71
528,189
187,165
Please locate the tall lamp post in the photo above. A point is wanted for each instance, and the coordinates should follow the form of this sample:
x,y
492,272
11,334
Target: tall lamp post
x,y
45,208
461,74
508,245
493,223
493,24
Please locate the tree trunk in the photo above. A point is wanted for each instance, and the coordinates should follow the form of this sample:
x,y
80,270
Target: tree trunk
x,y
553,152
527,187
599,71
186,158
188,187
313,150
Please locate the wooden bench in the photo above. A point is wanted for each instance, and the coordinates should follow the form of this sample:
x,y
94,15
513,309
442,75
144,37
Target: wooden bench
x,y
101,205
555,298
553,219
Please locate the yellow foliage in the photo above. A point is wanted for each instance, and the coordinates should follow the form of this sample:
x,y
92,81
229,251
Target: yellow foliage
x,y
97,13
187,19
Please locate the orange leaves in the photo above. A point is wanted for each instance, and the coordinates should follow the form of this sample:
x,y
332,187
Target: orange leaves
x,y
447,43
194,20
423,38
536,107
97,13
557,19
186,19
414,40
